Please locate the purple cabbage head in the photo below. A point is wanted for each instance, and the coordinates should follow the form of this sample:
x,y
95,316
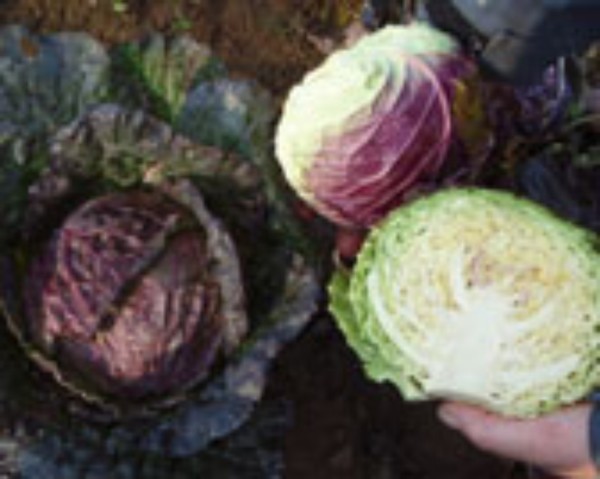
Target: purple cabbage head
x,y
375,122
129,298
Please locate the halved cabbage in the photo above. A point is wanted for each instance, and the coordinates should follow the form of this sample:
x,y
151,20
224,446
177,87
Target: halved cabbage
x,y
476,295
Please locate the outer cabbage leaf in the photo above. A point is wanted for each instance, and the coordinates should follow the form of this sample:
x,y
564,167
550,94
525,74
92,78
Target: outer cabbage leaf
x,y
157,73
237,116
182,82
563,172
45,81
480,296
229,114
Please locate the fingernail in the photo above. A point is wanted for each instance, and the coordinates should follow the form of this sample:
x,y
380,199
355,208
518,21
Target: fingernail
x,y
448,417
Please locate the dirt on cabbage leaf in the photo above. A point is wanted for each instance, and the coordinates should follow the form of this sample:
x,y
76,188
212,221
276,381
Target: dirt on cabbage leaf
x,y
344,425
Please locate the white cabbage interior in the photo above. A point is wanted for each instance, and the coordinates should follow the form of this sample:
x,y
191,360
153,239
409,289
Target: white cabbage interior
x,y
493,320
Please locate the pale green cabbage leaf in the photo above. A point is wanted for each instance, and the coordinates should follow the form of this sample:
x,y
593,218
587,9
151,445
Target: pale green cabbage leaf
x,y
476,295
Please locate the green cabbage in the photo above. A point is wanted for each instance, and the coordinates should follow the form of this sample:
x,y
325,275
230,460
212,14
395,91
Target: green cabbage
x,y
476,295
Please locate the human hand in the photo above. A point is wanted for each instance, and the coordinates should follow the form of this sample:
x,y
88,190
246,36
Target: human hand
x,y
557,443
348,242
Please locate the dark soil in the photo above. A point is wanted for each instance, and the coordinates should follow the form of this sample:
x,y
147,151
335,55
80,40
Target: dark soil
x,y
268,40
345,426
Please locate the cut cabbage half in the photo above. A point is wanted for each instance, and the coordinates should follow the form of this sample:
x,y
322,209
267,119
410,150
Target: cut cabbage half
x,y
480,296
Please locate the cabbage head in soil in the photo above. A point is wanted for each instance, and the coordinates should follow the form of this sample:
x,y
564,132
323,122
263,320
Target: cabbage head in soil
x,y
476,295
123,284
135,295
374,124
146,267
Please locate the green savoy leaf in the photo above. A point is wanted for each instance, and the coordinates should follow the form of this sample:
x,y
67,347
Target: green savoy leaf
x,y
157,73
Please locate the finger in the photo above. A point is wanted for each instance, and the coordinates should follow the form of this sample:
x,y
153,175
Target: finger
x,y
487,431
348,242
554,441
